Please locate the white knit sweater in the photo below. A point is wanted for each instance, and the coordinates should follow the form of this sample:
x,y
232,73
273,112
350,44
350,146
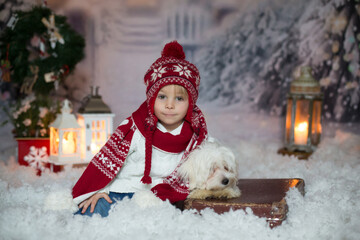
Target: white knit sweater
x,y
162,165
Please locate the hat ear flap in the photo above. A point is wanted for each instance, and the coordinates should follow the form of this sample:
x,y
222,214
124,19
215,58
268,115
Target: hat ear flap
x,y
189,114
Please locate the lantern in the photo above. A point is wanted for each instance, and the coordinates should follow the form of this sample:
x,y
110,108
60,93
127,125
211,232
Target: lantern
x,y
303,115
65,137
96,121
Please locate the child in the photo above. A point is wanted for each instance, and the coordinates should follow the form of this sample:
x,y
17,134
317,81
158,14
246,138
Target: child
x,y
146,149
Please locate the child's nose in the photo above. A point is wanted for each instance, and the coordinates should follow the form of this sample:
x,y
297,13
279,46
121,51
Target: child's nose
x,y
169,104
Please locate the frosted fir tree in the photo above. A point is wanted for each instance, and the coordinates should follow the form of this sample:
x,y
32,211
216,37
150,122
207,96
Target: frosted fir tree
x,y
338,66
255,61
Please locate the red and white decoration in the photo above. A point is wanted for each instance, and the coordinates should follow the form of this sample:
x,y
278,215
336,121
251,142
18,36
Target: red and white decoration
x,y
34,152
37,157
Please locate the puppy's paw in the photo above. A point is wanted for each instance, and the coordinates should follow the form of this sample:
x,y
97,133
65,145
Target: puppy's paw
x,y
231,192
236,192
220,194
146,199
200,194
227,193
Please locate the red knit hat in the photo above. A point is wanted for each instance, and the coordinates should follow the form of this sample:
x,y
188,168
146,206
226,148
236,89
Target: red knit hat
x,y
170,68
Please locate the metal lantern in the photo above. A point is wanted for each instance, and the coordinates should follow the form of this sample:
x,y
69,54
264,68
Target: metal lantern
x,y
65,137
303,115
96,121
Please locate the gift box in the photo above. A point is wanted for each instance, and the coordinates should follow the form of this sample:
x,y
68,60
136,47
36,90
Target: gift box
x,y
34,152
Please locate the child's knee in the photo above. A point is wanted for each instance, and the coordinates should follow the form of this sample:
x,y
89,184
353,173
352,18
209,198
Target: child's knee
x,y
102,207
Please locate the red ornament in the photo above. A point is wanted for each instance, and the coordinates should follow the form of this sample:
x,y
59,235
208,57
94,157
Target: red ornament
x,y
65,70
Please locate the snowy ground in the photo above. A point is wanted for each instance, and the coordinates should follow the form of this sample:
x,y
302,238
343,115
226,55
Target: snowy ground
x,y
330,208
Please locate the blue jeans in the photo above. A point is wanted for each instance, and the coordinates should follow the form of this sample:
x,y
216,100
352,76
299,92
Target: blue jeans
x,y
102,206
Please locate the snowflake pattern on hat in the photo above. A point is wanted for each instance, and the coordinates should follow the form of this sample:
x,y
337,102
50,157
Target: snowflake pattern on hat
x,y
158,73
182,70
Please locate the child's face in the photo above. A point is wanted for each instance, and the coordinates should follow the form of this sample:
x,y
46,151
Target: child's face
x,y
171,106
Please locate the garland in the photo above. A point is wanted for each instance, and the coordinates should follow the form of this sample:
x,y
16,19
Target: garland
x,y
37,50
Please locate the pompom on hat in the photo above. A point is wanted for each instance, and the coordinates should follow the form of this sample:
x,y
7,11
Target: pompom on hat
x,y
173,49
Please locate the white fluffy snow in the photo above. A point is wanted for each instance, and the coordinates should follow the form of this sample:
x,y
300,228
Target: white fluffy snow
x,y
32,207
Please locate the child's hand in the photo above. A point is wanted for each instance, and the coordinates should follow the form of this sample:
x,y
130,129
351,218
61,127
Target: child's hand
x,y
91,201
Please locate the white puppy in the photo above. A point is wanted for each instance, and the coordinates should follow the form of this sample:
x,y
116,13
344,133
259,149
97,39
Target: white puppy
x,y
211,170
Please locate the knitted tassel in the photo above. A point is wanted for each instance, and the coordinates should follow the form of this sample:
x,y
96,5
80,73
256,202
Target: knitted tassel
x,y
146,179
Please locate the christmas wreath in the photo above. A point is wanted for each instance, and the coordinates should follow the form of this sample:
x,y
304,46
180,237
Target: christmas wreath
x,y
37,50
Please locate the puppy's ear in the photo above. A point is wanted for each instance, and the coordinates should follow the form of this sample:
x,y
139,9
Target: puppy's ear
x,y
229,160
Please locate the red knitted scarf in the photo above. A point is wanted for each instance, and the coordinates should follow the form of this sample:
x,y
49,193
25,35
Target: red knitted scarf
x,y
108,161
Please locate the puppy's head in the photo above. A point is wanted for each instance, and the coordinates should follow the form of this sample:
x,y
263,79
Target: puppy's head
x,y
211,167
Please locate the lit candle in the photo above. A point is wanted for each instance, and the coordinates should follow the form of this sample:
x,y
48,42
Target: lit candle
x,y
68,143
94,148
301,133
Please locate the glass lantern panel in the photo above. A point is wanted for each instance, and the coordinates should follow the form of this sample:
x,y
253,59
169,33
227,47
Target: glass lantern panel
x,y
95,147
102,124
288,120
316,123
81,122
301,125
54,141
93,125
103,137
69,142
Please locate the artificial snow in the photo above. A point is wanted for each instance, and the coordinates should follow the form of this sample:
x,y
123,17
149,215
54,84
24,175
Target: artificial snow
x,y
33,207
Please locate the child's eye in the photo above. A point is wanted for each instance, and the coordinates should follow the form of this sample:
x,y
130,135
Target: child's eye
x,y
180,98
160,96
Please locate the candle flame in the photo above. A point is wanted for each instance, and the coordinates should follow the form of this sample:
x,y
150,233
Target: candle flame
x,y
69,145
302,126
301,133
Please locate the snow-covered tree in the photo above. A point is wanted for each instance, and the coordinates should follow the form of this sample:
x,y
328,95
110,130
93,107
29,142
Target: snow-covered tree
x,y
257,58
